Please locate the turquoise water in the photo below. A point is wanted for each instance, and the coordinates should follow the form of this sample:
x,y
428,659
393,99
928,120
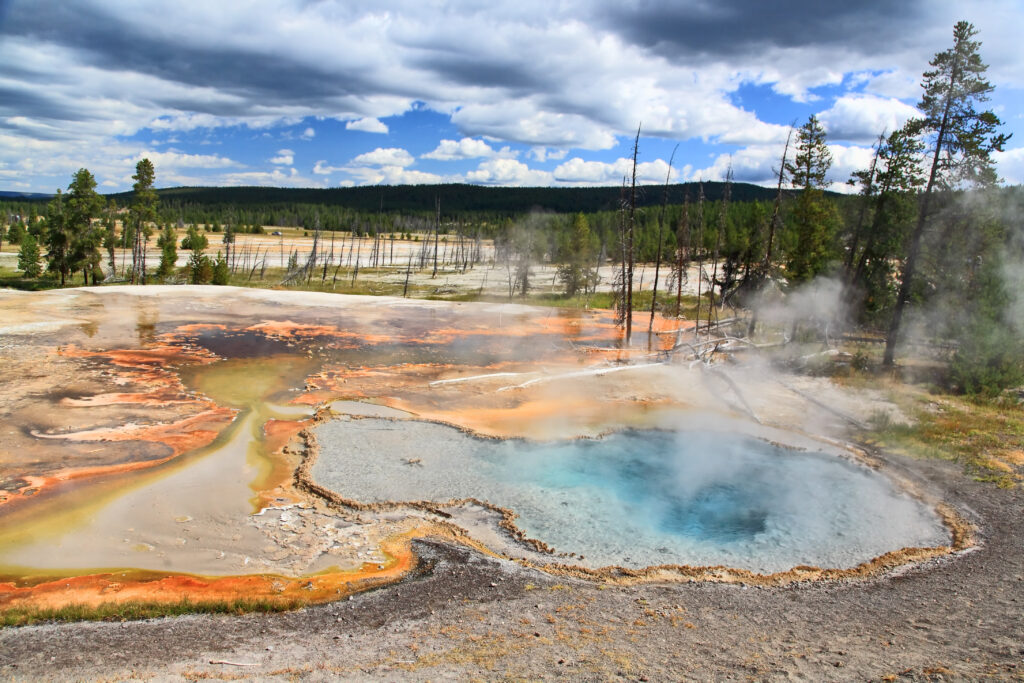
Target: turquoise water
x,y
642,498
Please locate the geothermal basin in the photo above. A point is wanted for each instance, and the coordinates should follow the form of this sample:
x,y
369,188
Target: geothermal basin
x,y
640,498
211,442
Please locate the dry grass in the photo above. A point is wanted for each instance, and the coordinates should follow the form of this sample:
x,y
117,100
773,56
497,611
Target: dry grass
x,y
124,611
987,437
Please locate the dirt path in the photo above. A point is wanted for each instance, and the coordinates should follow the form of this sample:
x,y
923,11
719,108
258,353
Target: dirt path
x,y
463,617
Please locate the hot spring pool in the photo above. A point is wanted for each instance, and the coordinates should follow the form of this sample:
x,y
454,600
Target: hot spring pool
x,y
641,498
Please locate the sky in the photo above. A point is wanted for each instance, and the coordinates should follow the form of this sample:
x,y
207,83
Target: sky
x,y
318,93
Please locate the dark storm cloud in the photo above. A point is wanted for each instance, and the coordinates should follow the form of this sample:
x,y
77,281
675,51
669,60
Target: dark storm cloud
x,y
742,27
101,40
481,72
20,101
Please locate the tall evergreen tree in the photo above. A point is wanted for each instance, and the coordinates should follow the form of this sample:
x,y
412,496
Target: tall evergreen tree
x,y
168,245
576,273
28,256
195,240
58,238
141,215
891,196
84,203
961,141
220,270
814,218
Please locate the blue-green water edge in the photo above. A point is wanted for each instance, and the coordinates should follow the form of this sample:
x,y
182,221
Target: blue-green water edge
x,y
641,498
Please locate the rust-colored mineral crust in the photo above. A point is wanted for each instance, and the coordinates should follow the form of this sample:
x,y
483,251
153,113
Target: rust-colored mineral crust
x,y
152,587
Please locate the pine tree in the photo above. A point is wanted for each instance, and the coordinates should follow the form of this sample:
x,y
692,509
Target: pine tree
x,y
897,179
168,245
58,238
814,218
141,215
576,273
220,270
200,268
28,256
961,140
195,240
83,204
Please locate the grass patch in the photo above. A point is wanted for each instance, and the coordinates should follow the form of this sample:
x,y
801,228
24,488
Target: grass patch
x,y
986,437
14,279
133,610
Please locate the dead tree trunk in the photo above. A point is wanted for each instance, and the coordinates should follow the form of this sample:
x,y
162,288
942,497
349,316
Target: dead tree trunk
x,y
661,223
682,251
437,228
773,224
700,248
630,242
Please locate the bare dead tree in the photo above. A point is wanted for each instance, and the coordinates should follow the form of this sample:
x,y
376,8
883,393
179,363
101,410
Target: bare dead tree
x,y
773,224
313,253
619,286
355,267
700,246
661,223
437,228
630,242
868,185
408,271
682,251
723,221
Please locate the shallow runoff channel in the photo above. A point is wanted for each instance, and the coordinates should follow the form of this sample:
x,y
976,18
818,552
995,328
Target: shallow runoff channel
x,y
641,498
189,515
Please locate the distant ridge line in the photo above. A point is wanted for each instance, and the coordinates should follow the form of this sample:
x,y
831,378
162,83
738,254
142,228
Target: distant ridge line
x,y
454,197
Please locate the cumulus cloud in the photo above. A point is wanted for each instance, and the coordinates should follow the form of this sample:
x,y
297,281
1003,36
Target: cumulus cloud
x,y
1011,165
322,168
902,86
524,121
757,164
275,178
367,125
384,165
578,171
385,156
173,160
845,160
285,157
308,134
542,154
467,148
862,118
508,172
391,175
